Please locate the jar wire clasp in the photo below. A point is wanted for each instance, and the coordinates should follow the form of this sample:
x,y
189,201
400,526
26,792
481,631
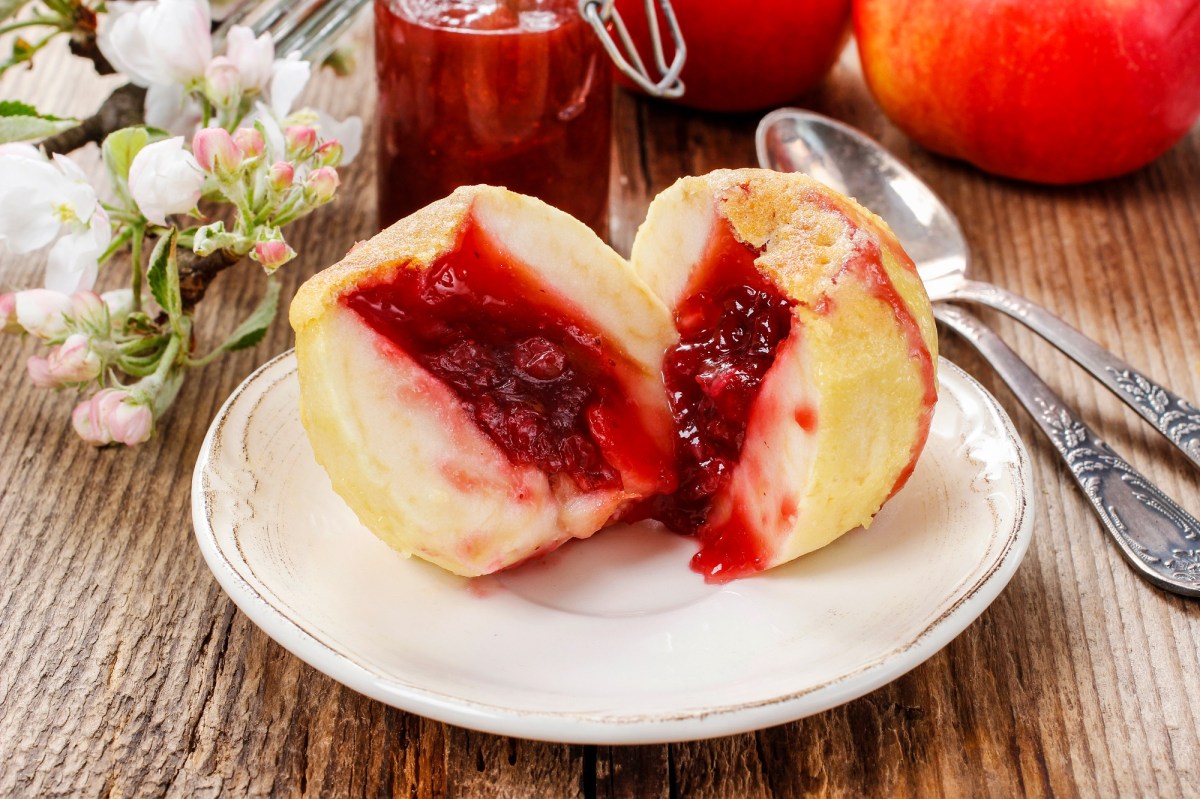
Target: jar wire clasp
x,y
625,55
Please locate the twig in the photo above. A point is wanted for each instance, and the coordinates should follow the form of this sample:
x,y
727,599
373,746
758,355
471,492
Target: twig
x,y
84,45
123,108
196,273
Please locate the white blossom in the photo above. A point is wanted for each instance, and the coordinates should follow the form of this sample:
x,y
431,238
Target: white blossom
x,y
37,197
223,83
158,43
165,179
39,200
22,150
119,302
254,58
288,78
74,259
171,108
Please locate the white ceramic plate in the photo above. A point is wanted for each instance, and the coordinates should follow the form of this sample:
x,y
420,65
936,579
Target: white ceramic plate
x,y
613,639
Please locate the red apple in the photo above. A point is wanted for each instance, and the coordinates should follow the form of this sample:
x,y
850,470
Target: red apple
x,y
749,55
1061,92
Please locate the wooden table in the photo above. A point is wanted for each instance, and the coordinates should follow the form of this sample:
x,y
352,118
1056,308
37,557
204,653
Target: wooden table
x,y
124,670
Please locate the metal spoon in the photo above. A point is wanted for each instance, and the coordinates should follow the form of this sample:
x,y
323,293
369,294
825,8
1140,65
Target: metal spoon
x,y
1159,538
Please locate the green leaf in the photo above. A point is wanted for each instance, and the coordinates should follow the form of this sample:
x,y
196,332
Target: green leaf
x,y
163,275
254,328
22,122
16,108
119,150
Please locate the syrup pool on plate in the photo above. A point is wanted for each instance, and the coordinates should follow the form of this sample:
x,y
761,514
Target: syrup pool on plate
x,y
513,93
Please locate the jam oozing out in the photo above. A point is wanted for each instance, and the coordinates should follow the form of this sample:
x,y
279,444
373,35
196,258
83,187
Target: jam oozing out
x,y
536,378
731,324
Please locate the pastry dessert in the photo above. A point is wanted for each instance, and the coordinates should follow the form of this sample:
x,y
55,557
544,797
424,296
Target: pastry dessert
x,y
486,379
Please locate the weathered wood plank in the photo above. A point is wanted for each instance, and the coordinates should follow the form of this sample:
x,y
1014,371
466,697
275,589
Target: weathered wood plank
x,y
124,670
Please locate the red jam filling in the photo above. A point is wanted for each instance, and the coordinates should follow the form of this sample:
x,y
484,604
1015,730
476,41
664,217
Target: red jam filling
x,y
731,324
536,378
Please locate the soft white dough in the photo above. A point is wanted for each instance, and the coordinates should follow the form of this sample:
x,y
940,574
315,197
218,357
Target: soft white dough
x,y
775,471
574,263
672,240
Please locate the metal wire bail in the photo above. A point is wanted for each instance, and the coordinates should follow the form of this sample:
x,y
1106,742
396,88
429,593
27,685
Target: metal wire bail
x,y
598,13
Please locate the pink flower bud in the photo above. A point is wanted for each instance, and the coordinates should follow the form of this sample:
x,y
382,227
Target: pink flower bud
x,y
222,82
40,373
249,141
8,314
112,416
301,141
321,185
330,153
281,175
43,312
273,254
216,151
71,362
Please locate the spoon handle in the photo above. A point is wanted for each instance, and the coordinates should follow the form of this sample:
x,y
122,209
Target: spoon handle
x,y
1160,539
1172,415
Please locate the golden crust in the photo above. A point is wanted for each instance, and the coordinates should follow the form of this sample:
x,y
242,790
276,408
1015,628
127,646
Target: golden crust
x,y
808,232
414,242
798,223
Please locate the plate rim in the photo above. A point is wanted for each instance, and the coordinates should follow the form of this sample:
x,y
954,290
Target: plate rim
x,y
596,727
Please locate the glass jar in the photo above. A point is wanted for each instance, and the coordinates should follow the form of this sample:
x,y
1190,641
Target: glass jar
x,y
514,93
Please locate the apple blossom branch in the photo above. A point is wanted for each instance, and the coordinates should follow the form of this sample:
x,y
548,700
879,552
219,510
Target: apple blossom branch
x,y
239,149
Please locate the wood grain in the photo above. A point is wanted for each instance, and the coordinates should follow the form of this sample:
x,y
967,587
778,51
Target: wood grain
x,y
124,670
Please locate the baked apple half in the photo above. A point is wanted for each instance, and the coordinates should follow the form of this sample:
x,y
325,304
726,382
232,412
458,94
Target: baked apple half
x,y
803,381
481,381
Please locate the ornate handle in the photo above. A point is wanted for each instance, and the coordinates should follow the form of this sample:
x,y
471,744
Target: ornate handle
x,y
1171,415
1160,539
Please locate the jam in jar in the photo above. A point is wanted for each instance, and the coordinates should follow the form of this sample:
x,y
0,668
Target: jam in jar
x,y
513,93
